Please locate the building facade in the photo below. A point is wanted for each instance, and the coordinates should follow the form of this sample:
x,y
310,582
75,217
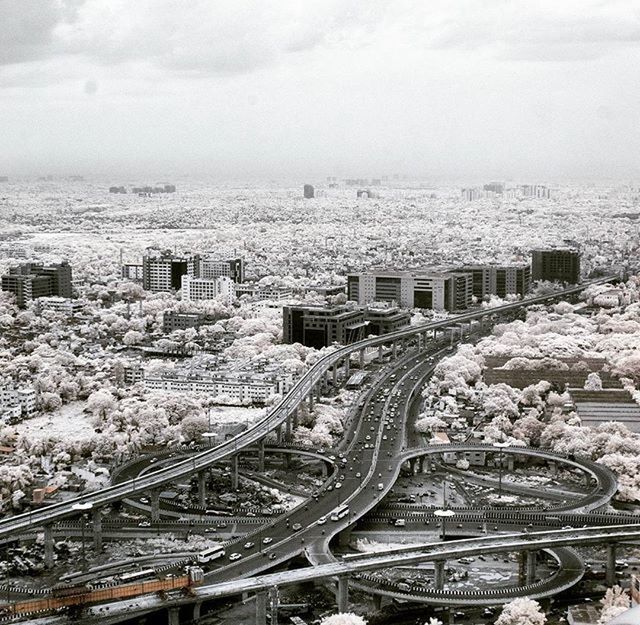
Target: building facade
x,y
194,289
556,265
60,305
162,271
500,280
211,266
321,326
30,281
448,290
309,191
258,292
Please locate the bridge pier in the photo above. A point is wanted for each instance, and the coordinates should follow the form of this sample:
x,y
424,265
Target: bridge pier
x,y
610,575
394,350
377,602
438,570
235,461
154,496
296,416
173,616
334,375
362,358
344,537
379,353
310,399
287,430
531,567
261,454
196,610
261,608
274,600
347,364
202,489
48,546
421,464
279,434
343,593
96,522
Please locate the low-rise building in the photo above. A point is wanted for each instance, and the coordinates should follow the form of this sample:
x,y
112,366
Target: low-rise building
x,y
18,403
194,289
382,319
62,305
262,292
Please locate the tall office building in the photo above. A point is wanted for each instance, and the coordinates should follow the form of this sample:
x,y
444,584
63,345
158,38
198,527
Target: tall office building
x,y
500,280
210,265
31,281
162,271
309,191
556,265
437,290
194,289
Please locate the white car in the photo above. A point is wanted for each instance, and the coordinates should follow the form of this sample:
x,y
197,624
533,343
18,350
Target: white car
x,y
267,540
338,485
322,520
235,556
249,545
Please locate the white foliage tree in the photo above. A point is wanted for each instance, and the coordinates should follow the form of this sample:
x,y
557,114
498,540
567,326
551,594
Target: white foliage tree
x,y
522,611
343,618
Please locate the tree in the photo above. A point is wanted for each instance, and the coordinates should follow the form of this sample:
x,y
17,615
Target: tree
x,y
343,618
614,602
521,611
593,382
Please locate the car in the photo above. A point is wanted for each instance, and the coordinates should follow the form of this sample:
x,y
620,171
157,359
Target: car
x,y
249,545
235,556
272,556
221,526
210,530
384,438
338,485
358,474
267,540
144,500
296,526
367,438
144,524
322,520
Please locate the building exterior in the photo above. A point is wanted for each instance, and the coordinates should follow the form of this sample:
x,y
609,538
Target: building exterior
x,y
448,290
30,281
172,320
133,272
194,289
17,403
212,266
325,289
384,319
470,194
257,292
500,280
162,271
321,326
62,305
538,191
556,265
240,387
309,191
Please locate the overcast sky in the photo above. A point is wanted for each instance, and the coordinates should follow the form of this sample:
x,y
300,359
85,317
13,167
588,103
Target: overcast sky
x,y
455,89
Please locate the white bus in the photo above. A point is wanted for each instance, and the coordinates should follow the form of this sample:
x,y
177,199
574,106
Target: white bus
x,y
211,554
136,575
340,512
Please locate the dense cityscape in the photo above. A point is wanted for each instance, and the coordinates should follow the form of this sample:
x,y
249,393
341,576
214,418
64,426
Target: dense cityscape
x,y
319,313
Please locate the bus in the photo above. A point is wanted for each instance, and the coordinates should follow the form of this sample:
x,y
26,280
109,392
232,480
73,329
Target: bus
x,y
210,554
136,575
340,512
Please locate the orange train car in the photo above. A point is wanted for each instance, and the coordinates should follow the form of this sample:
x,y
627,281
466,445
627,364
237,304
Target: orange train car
x,y
85,596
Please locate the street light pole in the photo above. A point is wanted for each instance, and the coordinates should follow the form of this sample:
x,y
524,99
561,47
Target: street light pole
x,y
444,515
84,508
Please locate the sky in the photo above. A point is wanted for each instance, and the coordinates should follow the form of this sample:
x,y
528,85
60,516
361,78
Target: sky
x,y
489,89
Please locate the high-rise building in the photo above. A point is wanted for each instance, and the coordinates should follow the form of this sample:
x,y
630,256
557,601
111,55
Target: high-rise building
x,y
556,265
447,290
30,281
500,280
162,271
321,326
210,265
194,289
538,191
308,191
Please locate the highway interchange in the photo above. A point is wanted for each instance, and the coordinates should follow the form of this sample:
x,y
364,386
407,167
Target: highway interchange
x,y
366,469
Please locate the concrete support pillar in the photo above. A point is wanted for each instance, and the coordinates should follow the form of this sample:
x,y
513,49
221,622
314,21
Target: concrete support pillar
x,y
48,546
202,489
286,461
310,399
610,575
419,339
438,570
362,358
412,466
380,353
261,454
347,364
324,469
234,471
96,522
287,428
261,608
154,496
394,350
174,616
343,593
522,566
273,595
421,464
344,537
377,602
196,610
531,567
279,434
334,375
296,417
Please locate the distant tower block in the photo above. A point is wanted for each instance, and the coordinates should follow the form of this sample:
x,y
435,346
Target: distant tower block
x,y
308,191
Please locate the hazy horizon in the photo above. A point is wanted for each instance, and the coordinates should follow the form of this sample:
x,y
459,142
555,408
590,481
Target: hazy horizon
x,y
244,90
